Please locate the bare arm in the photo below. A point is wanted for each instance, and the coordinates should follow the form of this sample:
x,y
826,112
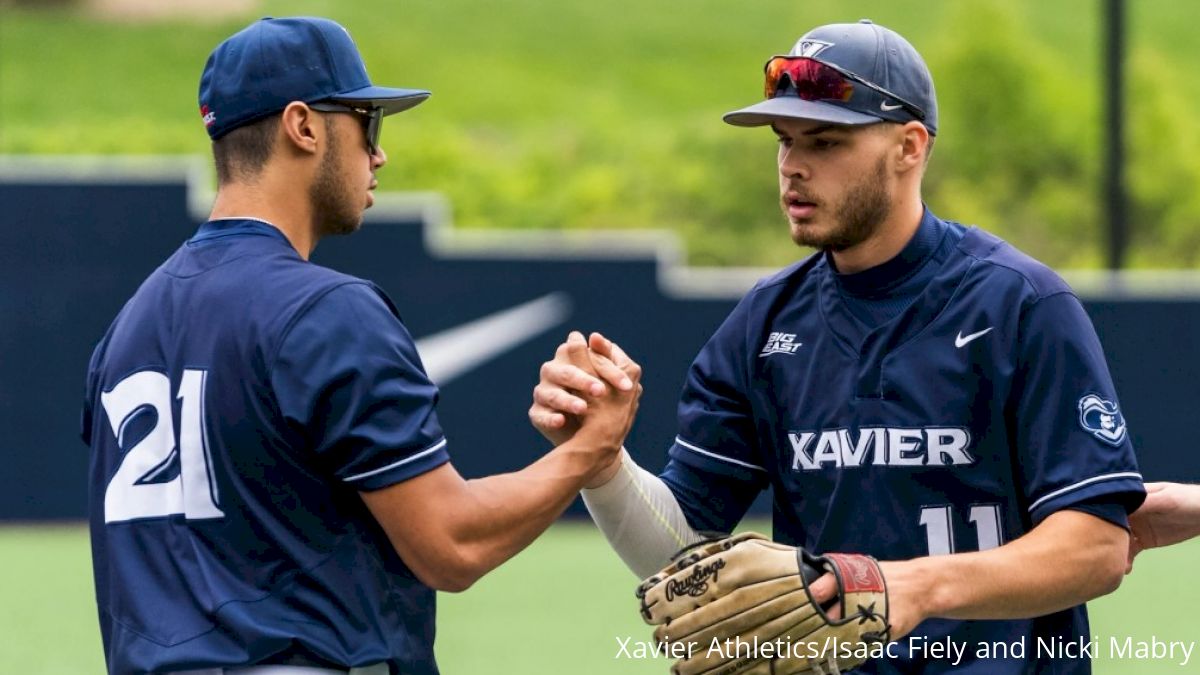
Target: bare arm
x,y
1170,514
451,531
1067,559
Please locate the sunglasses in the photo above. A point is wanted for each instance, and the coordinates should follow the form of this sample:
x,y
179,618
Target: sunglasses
x,y
816,80
371,119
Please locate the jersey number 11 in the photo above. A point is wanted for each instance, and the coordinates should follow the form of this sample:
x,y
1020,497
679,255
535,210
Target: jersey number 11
x,y
939,527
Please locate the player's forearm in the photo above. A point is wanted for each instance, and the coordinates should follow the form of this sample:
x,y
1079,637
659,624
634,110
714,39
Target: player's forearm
x,y
640,518
1170,514
500,515
1068,559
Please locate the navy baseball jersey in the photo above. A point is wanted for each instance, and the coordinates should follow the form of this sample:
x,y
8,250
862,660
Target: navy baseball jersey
x,y
235,409
982,405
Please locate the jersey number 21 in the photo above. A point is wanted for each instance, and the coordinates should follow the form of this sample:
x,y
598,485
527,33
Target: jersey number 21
x,y
139,489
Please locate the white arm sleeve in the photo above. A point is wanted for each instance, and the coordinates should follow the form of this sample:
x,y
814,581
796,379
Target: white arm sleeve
x,y
640,517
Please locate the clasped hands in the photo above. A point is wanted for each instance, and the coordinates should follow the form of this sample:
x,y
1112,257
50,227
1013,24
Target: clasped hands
x,y
588,392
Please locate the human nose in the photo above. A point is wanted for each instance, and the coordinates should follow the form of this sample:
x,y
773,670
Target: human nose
x,y
792,163
379,158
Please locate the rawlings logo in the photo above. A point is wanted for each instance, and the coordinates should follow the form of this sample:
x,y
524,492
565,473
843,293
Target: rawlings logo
x,y
858,573
696,583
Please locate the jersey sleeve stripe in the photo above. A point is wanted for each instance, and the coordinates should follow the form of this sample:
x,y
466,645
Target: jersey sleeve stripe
x,y
1083,483
411,458
707,453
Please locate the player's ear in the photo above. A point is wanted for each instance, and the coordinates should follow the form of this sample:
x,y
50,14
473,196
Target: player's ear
x,y
914,146
301,129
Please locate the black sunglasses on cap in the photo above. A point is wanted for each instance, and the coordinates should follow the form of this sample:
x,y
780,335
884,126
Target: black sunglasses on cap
x,y
371,119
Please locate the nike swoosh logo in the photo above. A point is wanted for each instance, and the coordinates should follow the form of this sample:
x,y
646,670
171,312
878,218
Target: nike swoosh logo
x,y
883,105
961,341
455,351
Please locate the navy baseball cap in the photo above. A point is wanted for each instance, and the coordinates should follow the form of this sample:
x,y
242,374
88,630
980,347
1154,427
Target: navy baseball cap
x,y
258,71
861,51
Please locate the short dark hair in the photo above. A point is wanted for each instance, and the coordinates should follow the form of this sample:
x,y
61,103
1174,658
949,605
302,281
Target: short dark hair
x,y
242,153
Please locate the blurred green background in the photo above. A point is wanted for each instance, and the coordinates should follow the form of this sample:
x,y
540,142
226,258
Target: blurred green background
x,y
551,114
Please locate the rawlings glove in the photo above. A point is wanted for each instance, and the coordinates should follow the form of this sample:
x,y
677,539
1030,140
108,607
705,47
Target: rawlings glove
x,y
743,605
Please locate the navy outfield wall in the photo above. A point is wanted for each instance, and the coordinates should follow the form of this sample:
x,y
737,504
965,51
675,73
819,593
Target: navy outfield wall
x,y
487,308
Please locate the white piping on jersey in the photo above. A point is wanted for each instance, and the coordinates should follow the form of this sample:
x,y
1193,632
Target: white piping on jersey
x,y
1076,486
714,455
260,220
412,458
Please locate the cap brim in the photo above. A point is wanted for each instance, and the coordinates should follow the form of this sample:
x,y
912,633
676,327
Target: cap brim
x,y
762,114
390,100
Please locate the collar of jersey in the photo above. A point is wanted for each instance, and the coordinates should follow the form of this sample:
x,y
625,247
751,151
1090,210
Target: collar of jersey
x,y
236,227
871,348
886,276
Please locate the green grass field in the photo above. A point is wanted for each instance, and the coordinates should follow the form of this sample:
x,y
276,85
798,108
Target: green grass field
x,y
558,607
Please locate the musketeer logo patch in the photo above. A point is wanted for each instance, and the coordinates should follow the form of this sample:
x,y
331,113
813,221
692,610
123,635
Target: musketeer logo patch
x,y
1102,419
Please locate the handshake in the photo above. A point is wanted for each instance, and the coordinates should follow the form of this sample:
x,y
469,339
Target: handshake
x,y
742,604
588,394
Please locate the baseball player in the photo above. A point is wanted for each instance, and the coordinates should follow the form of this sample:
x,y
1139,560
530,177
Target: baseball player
x,y
917,390
271,492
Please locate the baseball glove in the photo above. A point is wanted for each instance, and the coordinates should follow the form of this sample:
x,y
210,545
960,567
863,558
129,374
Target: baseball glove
x,y
743,605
